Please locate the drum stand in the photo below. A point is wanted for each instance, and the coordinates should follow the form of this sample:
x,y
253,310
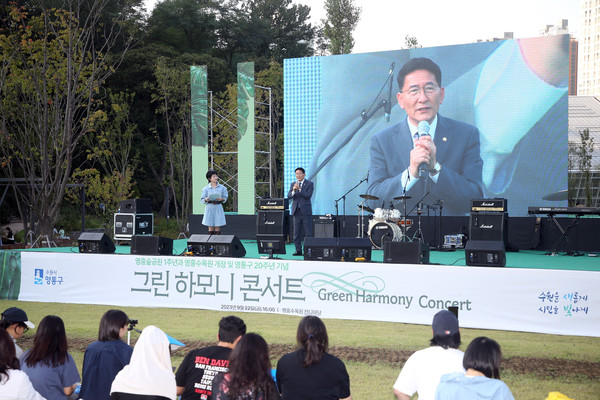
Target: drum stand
x,y
419,233
361,221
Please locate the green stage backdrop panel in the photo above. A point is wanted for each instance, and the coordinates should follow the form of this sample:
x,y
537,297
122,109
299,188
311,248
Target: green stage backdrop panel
x,y
246,163
199,98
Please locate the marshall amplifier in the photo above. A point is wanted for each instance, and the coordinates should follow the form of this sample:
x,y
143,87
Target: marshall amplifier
x,y
273,222
273,204
488,226
489,205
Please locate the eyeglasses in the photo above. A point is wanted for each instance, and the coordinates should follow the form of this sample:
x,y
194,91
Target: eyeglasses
x,y
428,89
25,328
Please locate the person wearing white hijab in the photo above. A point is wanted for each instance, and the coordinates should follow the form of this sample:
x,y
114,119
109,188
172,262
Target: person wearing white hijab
x,y
149,375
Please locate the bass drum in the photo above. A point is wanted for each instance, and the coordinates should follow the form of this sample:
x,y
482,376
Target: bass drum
x,y
382,232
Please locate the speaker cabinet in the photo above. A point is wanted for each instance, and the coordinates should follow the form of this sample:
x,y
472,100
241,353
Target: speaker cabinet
x,y
272,222
198,245
337,249
488,226
405,252
226,246
135,206
320,249
95,242
325,227
485,253
151,245
354,249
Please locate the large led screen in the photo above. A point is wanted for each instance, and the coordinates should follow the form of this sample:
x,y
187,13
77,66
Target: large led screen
x,y
500,130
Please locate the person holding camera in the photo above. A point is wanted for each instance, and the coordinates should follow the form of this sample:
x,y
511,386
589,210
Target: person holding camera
x,y
104,358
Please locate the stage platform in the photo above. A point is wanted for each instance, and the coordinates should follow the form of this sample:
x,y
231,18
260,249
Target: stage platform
x,y
533,293
522,259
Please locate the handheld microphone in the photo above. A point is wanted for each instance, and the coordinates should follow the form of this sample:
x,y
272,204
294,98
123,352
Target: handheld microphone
x,y
423,130
388,103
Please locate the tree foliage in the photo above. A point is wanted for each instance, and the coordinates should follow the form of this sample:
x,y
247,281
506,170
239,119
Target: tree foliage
x,y
342,18
51,69
580,167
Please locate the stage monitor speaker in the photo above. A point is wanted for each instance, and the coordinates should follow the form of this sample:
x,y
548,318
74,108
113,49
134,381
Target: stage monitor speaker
x,y
135,206
272,222
324,249
198,245
485,253
354,249
488,226
325,227
226,246
270,244
405,252
151,245
95,242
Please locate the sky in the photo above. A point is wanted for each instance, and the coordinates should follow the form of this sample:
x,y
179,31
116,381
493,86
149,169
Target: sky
x,y
384,23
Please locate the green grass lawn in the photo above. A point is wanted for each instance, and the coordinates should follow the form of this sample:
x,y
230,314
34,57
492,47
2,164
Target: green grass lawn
x,y
536,363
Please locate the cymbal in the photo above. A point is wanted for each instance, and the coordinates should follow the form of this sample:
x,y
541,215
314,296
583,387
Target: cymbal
x,y
367,209
402,198
369,197
557,196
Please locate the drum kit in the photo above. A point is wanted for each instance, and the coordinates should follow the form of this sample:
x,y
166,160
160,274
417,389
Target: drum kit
x,y
385,224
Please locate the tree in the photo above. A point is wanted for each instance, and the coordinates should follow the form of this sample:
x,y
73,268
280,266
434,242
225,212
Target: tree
x,y
580,168
342,17
286,32
411,42
52,66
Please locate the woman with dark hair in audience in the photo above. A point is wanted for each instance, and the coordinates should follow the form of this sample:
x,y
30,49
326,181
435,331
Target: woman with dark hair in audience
x,y
249,376
14,384
105,357
482,379
310,372
49,366
149,375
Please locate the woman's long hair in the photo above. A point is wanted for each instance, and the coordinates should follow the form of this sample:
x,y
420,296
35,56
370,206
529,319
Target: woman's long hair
x,y
312,335
250,367
8,355
49,343
110,325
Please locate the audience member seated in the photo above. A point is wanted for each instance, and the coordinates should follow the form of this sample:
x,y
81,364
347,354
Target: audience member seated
x,y
310,373
249,376
8,237
424,368
50,367
199,367
104,358
14,384
149,375
482,379
16,323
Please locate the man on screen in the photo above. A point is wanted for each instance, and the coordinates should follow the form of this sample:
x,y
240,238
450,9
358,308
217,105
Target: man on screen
x,y
449,157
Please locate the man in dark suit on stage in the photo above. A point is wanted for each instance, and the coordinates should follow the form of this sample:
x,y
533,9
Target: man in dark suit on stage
x,y
449,156
300,193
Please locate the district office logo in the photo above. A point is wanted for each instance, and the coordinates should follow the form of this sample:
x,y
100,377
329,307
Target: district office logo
x,y
38,277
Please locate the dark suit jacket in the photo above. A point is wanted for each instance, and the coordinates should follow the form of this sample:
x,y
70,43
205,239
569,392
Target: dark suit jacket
x,y
302,198
459,181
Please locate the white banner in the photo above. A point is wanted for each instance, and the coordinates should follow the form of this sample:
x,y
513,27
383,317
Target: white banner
x,y
531,300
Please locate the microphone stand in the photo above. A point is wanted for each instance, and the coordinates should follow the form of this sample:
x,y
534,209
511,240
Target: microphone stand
x,y
366,116
344,200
